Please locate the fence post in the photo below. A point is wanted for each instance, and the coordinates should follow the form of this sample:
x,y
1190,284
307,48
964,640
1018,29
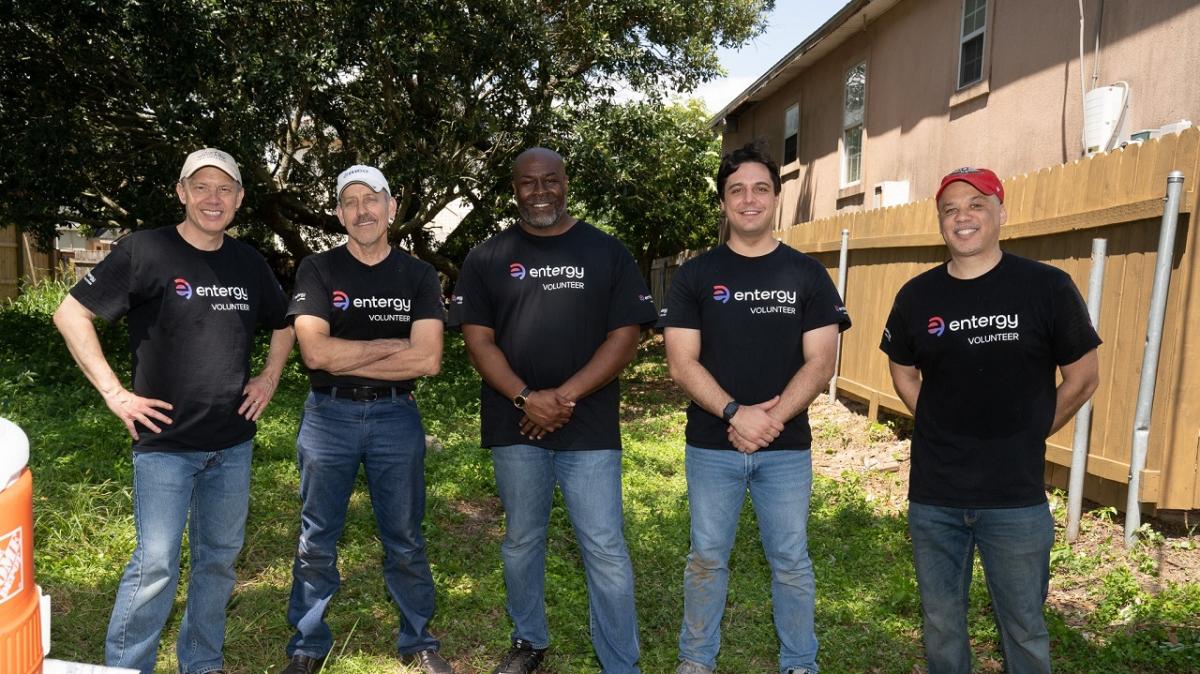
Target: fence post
x,y
843,258
1083,419
1145,399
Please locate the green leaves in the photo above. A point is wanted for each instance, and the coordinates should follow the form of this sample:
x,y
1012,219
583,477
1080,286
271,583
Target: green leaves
x,y
644,170
99,105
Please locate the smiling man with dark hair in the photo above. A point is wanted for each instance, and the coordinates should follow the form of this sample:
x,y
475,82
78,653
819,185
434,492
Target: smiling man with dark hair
x,y
751,332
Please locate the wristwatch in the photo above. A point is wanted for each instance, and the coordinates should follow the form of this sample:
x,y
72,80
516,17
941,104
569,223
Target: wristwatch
x,y
731,409
520,398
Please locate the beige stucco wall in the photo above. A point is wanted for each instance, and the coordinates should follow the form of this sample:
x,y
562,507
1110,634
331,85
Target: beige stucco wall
x,y
1026,117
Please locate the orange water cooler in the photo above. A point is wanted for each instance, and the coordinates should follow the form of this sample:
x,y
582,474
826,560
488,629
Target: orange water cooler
x,y
21,631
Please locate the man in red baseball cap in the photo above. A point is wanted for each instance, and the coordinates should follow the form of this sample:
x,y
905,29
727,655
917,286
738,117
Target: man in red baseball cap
x,y
978,340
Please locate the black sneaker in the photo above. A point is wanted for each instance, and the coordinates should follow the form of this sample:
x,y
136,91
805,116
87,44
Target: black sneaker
x,y
303,664
522,658
428,661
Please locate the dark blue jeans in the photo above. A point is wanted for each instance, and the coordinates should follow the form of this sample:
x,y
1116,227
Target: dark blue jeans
x,y
386,438
1014,544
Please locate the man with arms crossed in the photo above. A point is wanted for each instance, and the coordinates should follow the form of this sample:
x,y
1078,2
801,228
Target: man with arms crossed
x,y
192,298
551,309
751,334
973,346
369,319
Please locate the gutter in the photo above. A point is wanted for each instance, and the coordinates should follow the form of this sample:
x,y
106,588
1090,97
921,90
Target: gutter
x,y
836,21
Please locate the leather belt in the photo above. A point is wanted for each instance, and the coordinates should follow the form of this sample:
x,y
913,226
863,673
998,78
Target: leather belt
x,y
362,394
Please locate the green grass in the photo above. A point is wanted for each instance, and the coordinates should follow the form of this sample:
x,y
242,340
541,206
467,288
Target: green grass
x,y
868,613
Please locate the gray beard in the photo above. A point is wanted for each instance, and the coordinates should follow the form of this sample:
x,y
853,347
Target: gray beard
x,y
544,222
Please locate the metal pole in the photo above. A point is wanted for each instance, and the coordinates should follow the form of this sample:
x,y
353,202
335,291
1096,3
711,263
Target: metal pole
x,y
1083,420
1158,309
842,261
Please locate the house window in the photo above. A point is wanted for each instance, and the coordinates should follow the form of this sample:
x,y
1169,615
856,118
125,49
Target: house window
x,y
791,134
970,55
853,105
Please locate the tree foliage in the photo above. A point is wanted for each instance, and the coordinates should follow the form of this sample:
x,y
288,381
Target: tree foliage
x,y
101,100
646,171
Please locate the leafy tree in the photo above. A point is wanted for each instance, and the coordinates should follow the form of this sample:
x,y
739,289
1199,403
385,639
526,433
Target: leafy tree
x,y
101,99
646,171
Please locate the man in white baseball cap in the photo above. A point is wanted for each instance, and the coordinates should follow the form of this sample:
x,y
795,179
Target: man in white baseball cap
x,y
192,298
366,175
369,318
210,156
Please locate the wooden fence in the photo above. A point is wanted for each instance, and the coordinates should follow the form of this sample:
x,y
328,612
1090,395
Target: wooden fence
x,y
20,260
1053,215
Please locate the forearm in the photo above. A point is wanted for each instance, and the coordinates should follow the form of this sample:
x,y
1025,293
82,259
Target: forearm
x,y
493,367
343,356
1068,398
1079,382
83,343
908,388
802,389
400,366
606,363
282,342
909,392
699,384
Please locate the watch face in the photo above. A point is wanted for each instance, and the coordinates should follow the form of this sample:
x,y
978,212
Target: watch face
x,y
519,401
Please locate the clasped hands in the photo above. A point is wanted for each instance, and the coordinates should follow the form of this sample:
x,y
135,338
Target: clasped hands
x,y
753,427
546,411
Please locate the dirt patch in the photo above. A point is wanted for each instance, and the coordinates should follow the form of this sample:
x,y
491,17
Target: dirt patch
x,y
476,519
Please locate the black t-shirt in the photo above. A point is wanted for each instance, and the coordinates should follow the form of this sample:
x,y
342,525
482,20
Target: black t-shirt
x,y
191,316
361,301
987,349
752,313
551,300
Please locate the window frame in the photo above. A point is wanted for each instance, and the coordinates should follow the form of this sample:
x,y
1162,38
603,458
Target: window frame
x,y
795,107
980,33
848,125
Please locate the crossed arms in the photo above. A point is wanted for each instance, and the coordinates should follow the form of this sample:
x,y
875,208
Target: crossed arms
x,y
383,359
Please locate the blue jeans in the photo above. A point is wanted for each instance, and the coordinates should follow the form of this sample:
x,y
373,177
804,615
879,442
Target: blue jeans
x,y
591,487
386,437
780,484
1014,544
213,487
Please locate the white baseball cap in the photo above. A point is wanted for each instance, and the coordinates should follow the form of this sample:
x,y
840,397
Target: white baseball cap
x,y
367,175
210,156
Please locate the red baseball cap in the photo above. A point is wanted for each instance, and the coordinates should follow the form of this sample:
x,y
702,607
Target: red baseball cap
x,y
980,178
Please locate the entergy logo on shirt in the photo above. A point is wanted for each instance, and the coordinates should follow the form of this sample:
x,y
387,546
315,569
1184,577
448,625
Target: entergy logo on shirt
x,y
1003,327
236,298
401,306
784,300
574,275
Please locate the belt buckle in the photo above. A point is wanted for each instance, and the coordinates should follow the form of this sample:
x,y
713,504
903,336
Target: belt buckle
x,y
365,394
